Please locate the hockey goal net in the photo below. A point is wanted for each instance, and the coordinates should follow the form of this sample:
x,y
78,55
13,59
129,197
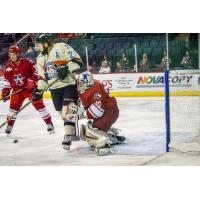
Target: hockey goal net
x,y
183,126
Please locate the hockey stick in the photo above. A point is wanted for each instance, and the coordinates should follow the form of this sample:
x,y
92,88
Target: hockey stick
x,y
29,102
13,93
15,114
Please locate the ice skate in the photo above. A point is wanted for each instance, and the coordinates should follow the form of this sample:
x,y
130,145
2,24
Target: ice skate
x,y
8,129
50,128
67,141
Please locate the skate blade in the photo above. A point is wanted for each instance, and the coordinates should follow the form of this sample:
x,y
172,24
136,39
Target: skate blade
x,y
66,147
51,132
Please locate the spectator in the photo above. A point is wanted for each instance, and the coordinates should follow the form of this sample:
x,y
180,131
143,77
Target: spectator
x,y
80,35
124,60
94,65
30,50
164,61
120,67
144,63
66,35
105,65
186,61
30,42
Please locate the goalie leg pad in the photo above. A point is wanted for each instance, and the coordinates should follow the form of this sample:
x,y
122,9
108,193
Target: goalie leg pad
x,y
95,137
82,132
68,110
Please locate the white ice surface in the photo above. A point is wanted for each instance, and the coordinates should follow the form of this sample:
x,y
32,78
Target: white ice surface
x,y
142,120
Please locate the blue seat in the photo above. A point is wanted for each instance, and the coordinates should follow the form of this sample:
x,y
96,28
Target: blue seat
x,y
130,51
112,52
137,43
157,51
162,43
90,46
117,45
100,46
119,51
108,46
98,40
126,45
153,44
144,44
105,40
148,50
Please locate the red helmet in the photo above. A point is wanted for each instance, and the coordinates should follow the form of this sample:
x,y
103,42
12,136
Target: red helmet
x,y
14,49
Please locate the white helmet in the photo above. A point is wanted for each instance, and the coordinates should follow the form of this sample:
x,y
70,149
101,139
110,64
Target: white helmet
x,y
85,81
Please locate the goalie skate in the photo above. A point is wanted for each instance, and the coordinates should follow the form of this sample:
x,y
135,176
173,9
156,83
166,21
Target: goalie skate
x,y
115,136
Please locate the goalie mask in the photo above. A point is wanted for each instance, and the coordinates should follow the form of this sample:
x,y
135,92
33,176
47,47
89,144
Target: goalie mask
x,y
85,81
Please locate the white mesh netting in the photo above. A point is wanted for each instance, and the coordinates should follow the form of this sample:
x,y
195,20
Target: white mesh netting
x,y
185,111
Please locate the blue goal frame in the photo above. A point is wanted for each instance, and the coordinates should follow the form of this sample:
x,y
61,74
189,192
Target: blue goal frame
x,y
167,109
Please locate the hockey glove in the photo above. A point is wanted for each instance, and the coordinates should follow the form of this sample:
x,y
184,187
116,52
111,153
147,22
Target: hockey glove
x,y
5,94
37,94
62,72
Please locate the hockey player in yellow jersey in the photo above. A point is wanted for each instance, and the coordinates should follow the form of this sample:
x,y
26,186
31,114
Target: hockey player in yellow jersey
x,y
59,62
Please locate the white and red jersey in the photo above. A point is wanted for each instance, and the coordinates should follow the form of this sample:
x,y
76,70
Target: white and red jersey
x,y
16,75
96,100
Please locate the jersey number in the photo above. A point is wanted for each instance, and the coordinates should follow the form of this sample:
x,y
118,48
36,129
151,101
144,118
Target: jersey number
x,y
71,54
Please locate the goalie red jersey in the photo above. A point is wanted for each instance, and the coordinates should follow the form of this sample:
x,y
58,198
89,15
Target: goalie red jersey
x,y
96,100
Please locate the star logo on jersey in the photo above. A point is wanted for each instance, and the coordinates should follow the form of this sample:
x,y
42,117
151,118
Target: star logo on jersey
x,y
19,80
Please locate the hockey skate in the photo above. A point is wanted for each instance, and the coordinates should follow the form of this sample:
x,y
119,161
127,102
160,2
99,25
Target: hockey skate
x,y
8,129
115,136
107,150
67,141
50,128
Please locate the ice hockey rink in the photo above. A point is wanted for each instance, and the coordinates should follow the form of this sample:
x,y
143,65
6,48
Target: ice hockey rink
x,y
142,120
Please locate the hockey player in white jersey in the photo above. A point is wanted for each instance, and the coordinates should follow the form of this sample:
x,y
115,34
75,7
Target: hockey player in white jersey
x,y
59,61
